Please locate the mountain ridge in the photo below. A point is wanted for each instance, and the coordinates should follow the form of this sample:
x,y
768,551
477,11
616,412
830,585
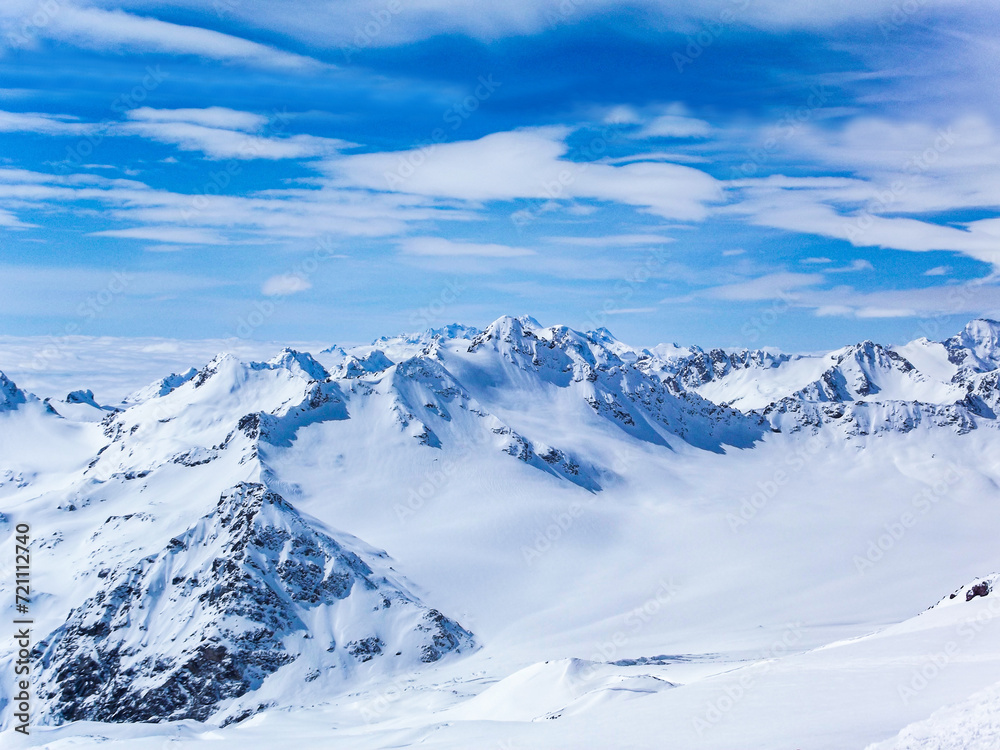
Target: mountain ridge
x,y
151,495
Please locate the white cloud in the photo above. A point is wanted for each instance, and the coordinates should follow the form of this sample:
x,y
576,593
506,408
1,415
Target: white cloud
x,y
439,246
271,216
10,221
972,298
175,235
884,312
938,271
217,132
118,31
856,265
46,124
671,156
285,284
848,212
771,286
621,115
528,164
211,117
631,311
219,143
343,23
500,166
899,167
613,240
676,126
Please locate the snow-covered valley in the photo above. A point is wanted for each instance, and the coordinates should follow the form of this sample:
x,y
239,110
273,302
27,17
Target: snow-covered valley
x,y
520,537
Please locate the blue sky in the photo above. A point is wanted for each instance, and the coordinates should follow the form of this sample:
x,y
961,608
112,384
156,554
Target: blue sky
x,y
725,172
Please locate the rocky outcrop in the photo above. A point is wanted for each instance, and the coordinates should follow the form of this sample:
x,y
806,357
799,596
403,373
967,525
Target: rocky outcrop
x,y
222,607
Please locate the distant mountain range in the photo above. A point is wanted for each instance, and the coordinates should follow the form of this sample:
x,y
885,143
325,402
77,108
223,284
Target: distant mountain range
x,y
201,590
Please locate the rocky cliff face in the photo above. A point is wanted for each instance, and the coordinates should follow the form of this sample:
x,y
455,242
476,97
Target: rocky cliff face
x,y
250,589
209,589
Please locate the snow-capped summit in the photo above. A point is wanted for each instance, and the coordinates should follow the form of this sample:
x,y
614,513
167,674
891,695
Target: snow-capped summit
x,y
14,399
507,329
870,370
250,590
11,397
80,406
356,367
423,338
977,347
695,367
81,397
161,387
512,472
515,356
605,338
403,346
454,331
300,364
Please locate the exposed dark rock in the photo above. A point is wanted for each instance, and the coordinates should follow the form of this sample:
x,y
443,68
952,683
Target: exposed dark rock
x,y
979,589
208,618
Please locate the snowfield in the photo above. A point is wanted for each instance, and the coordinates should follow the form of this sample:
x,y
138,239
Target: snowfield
x,y
520,537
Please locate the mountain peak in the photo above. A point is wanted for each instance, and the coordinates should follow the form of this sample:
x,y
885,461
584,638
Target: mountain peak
x,y
10,395
453,331
161,387
235,592
359,367
977,346
982,336
82,397
507,328
428,336
300,363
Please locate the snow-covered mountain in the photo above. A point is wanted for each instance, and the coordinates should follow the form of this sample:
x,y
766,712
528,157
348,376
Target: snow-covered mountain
x,y
534,501
976,348
861,389
250,589
13,398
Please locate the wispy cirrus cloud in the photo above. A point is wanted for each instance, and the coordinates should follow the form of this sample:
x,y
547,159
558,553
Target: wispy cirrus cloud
x,y
215,132
223,133
44,124
441,247
169,234
768,287
818,181
210,117
220,143
10,221
815,294
171,217
340,24
118,32
614,240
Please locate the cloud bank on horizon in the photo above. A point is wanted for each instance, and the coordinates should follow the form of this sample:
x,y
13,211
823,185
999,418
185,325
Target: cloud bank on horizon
x,y
805,174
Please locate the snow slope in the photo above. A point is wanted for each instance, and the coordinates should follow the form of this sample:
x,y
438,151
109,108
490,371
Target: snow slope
x,y
566,543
